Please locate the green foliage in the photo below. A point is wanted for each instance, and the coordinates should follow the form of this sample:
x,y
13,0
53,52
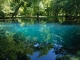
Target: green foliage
x,y
16,45
67,8
10,45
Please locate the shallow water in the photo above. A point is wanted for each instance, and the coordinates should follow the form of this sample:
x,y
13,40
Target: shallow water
x,y
48,33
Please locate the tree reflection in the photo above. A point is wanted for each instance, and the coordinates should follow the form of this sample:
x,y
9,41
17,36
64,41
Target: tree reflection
x,y
72,39
15,46
71,44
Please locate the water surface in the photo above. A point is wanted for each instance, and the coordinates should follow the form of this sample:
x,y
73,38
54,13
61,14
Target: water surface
x,y
42,37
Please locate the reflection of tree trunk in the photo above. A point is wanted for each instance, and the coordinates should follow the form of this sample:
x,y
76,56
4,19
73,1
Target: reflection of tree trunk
x,y
56,17
38,17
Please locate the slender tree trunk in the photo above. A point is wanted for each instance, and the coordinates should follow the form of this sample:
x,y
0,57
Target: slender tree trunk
x,y
16,9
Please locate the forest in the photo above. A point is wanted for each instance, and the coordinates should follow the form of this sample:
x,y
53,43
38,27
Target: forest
x,y
41,27
63,11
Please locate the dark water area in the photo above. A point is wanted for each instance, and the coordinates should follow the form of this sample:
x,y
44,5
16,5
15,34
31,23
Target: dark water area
x,y
48,41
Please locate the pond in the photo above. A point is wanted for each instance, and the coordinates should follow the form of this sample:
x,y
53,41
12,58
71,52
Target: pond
x,y
39,41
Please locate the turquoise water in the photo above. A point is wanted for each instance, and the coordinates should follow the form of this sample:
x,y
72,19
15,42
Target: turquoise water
x,y
46,32
52,33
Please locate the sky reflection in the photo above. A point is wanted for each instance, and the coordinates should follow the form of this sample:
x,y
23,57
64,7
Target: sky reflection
x,y
49,56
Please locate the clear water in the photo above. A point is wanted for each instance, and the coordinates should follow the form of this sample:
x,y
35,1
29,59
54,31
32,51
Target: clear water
x,y
52,33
